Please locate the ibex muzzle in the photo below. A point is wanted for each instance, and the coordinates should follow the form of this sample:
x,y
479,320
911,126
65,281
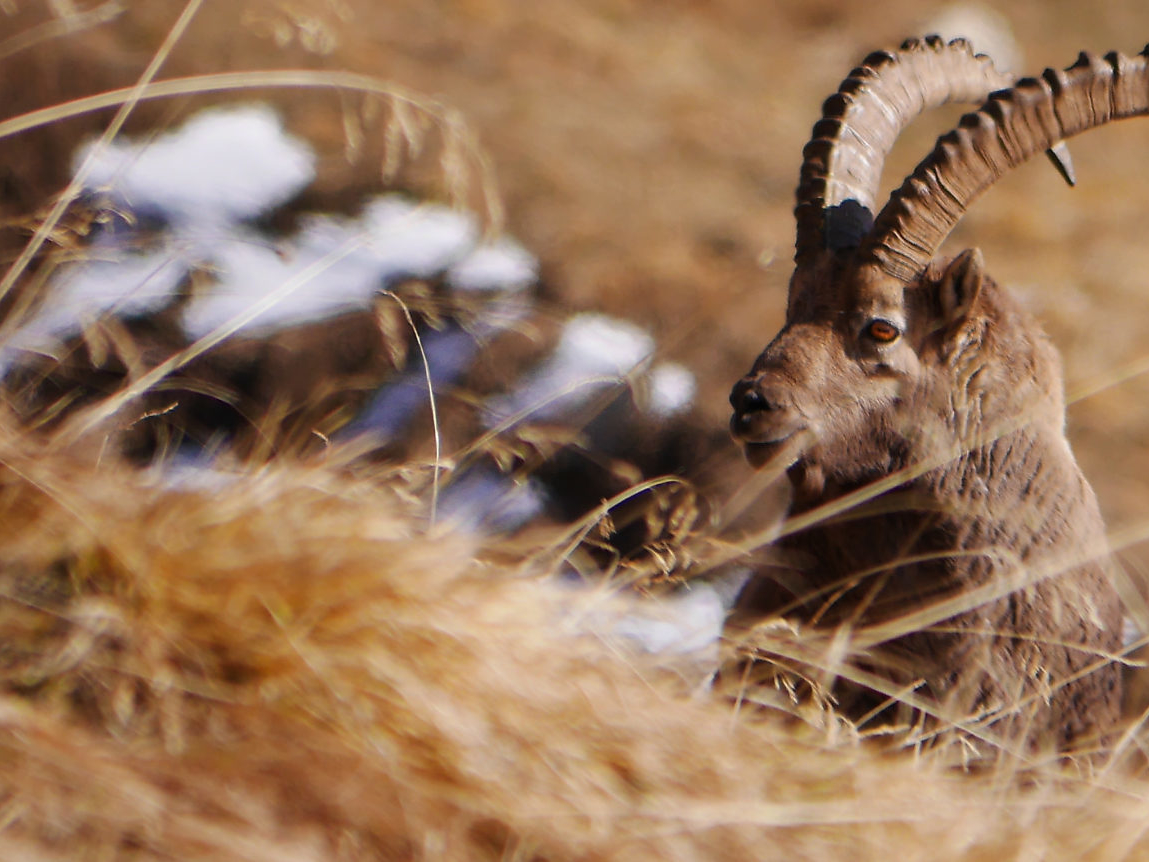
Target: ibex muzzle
x,y
895,364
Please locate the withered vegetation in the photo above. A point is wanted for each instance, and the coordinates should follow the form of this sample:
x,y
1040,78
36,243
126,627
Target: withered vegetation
x,y
294,662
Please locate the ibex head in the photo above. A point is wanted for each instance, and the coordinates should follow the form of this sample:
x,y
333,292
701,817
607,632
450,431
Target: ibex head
x,y
885,349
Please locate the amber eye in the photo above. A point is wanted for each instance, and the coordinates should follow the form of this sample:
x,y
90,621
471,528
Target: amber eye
x,y
882,331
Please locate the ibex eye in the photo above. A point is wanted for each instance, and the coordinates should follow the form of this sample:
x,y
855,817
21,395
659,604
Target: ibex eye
x,y
882,331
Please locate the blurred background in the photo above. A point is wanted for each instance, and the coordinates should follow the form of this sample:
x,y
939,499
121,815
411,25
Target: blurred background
x,y
646,152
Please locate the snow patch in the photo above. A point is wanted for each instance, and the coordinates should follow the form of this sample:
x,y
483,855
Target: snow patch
x,y
672,390
222,165
127,285
594,351
500,265
688,621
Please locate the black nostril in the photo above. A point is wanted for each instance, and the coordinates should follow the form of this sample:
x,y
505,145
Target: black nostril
x,y
754,401
746,399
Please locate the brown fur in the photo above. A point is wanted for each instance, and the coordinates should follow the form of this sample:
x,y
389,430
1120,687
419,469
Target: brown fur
x,y
970,398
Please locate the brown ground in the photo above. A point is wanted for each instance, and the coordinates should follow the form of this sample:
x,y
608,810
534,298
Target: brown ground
x,y
647,152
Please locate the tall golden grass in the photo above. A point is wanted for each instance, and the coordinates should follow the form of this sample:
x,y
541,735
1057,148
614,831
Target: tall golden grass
x,y
295,662
291,666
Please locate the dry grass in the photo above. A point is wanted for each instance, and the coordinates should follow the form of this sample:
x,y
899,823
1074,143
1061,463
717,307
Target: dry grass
x,y
289,667
296,665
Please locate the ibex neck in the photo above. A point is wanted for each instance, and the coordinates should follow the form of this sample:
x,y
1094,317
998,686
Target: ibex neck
x,y
1016,501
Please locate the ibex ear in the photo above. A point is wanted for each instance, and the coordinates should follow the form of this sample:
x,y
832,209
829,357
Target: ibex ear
x,y
960,285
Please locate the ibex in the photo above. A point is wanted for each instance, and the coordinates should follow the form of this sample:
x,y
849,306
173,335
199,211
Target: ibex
x,y
975,576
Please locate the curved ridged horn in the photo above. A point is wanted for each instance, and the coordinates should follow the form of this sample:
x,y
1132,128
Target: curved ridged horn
x,y
842,163
1012,126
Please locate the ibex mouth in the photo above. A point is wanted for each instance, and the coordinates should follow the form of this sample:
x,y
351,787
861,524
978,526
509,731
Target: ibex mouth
x,y
763,441
782,454
764,424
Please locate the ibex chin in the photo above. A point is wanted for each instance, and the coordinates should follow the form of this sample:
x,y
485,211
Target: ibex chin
x,y
975,576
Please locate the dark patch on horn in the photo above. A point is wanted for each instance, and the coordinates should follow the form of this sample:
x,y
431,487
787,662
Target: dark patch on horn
x,y
842,163
846,225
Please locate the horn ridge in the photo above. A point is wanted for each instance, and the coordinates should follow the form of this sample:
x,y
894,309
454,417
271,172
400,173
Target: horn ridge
x,y
842,162
1009,128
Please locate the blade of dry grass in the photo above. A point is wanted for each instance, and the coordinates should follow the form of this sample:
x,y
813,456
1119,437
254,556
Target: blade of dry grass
x,y
451,121
437,467
131,97
65,25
